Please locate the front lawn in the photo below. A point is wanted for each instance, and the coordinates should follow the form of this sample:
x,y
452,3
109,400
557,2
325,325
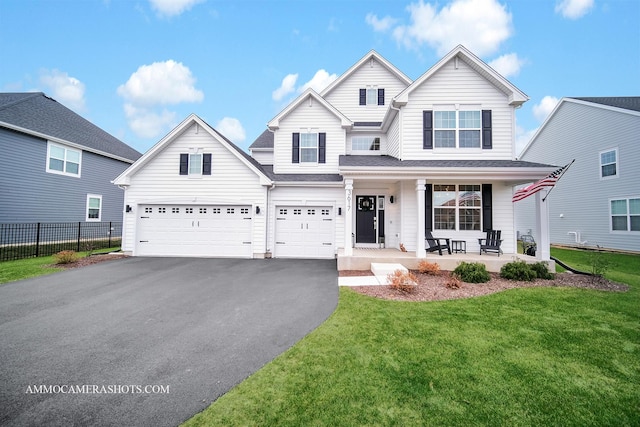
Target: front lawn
x,y
536,356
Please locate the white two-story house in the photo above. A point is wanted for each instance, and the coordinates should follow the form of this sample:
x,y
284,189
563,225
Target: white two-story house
x,y
374,160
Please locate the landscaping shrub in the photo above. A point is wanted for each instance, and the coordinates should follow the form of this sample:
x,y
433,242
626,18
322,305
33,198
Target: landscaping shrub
x,y
402,281
518,270
542,270
426,267
66,257
472,272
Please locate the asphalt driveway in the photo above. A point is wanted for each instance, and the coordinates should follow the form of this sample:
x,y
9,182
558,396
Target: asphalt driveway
x,y
82,347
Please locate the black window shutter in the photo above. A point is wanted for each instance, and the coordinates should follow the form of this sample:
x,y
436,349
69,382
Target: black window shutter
x,y
295,148
363,97
428,207
487,211
427,130
380,96
206,164
184,164
322,147
487,143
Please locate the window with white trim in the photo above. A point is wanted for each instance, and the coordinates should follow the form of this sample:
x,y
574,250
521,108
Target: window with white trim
x,y
625,214
365,143
63,160
94,207
609,163
460,129
457,207
372,95
308,147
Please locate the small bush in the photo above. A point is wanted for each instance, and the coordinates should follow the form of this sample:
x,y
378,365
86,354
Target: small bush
x,y
518,270
453,283
66,257
426,267
402,281
472,272
542,270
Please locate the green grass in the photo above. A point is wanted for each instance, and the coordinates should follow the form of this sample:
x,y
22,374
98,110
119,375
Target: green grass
x,y
524,357
11,271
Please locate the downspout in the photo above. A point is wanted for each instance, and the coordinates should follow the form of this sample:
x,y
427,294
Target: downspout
x,y
268,253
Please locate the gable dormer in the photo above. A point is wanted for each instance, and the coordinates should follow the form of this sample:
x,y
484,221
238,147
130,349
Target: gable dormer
x,y
363,93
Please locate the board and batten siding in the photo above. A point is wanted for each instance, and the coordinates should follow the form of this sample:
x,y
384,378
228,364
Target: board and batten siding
x,y
345,97
581,199
464,86
29,194
307,197
314,117
231,183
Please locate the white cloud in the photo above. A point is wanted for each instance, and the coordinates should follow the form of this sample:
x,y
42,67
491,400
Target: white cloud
x,y
147,123
320,80
64,88
231,128
163,83
522,138
573,9
380,25
287,86
173,7
545,107
508,65
480,25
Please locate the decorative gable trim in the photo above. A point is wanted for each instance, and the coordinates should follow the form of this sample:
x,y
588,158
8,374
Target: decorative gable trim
x,y
309,96
516,96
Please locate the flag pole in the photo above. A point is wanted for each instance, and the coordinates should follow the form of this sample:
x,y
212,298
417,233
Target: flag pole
x,y
563,172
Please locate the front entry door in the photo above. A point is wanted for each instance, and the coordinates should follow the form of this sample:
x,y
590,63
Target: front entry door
x,y
366,219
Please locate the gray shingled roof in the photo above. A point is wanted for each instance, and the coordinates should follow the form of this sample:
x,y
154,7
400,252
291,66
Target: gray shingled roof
x,y
301,177
37,112
625,102
388,161
265,140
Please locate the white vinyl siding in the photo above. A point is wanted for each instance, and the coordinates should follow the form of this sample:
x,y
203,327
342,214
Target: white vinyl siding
x,y
308,117
346,96
63,160
232,182
393,137
460,87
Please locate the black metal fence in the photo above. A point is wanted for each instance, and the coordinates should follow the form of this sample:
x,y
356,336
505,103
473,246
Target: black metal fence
x,y
19,241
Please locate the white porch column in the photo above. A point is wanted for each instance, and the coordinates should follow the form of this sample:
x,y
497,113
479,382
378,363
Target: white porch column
x,y
543,252
420,249
348,217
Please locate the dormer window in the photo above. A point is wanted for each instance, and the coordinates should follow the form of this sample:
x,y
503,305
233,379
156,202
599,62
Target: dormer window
x,y
371,95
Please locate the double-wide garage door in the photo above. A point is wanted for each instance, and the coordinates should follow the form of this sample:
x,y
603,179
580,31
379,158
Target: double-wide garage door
x,y
177,230
304,232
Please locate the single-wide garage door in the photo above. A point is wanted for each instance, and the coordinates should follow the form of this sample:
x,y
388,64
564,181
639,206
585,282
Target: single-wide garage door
x,y
177,230
304,232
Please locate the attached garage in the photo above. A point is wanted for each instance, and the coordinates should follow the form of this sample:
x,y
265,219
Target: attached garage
x,y
304,232
190,230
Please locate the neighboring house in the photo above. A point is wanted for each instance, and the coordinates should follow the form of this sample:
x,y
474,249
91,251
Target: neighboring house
x,y
597,201
374,160
56,166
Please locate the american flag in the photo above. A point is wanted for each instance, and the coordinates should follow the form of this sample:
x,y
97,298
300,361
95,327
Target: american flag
x,y
548,181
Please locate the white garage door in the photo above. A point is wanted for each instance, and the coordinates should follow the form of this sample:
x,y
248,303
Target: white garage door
x,y
177,230
305,232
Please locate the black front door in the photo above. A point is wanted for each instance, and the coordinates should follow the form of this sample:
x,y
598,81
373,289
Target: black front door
x,y
366,219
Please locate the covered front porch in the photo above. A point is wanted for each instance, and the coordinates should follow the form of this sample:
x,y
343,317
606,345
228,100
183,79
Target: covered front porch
x,y
361,259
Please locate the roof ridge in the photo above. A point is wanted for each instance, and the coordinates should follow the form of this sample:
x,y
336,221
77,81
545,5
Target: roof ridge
x,y
18,101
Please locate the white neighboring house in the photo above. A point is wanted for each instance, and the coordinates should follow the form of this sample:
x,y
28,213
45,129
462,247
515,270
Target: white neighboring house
x,y
375,160
597,201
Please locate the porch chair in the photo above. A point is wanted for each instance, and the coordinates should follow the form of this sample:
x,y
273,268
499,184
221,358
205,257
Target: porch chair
x,y
491,243
435,243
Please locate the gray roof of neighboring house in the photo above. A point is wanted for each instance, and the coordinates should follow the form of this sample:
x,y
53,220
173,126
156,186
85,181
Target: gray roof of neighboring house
x,y
37,112
388,161
625,102
265,140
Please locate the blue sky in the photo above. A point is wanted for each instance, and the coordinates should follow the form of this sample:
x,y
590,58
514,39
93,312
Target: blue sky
x,y
137,68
